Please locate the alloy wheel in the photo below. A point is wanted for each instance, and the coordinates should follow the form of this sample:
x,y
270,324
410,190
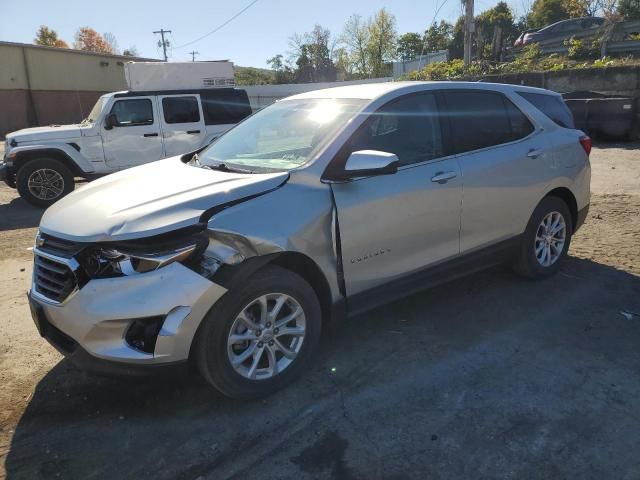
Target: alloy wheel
x,y
266,336
45,184
550,239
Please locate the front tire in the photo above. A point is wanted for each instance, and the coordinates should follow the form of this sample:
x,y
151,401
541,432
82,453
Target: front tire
x,y
44,181
546,240
260,337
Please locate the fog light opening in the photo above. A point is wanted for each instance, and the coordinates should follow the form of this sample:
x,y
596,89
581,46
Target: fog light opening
x,y
142,334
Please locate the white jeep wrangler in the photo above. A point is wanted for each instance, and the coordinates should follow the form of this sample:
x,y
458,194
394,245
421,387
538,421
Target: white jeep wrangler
x,y
124,129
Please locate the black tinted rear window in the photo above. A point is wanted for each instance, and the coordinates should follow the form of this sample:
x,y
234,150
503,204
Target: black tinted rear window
x,y
225,106
552,106
181,109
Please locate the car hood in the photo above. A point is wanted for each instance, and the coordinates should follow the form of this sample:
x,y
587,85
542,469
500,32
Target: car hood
x,y
46,133
149,200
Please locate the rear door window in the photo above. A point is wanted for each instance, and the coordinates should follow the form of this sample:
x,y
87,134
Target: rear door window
x,y
181,109
482,119
552,106
225,106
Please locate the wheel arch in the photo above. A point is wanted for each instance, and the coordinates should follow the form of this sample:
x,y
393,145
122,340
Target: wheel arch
x,y
567,196
304,266
233,276
23,157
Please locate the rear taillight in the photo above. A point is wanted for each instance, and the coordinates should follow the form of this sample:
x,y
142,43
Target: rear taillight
x,y
586,144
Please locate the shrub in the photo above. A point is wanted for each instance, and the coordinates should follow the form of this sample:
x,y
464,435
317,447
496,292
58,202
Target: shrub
x,y
576,48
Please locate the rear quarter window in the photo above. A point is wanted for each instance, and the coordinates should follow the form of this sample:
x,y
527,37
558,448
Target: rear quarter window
x,y
225,106
552,106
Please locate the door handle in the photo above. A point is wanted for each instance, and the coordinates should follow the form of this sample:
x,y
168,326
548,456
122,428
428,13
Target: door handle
x,y
443,177
193,132
534,153
150,134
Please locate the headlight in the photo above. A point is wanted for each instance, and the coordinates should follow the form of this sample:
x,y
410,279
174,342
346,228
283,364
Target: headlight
x,y
134,263
142,256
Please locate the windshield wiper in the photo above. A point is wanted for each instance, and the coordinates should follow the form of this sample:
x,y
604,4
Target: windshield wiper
x,y
221,166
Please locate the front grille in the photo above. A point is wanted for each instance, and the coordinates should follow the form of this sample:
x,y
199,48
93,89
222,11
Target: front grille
x,y
58,246
52,278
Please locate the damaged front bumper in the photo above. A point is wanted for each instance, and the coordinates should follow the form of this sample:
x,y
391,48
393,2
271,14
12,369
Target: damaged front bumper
x,y
109,320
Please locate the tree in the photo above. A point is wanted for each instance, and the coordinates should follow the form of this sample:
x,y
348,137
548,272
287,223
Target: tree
x,y
382,42
283,73
311,53
438,36
48,37
545,12
498,18
132,51
409,46
456,46
110,39
344,67
90,40
355,38
629,8
252,76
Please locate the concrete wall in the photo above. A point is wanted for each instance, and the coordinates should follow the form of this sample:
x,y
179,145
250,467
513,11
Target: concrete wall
x,y
262,96
615,81
45,85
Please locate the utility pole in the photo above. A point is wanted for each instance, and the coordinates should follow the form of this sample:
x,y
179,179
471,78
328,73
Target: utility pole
x,y
163,43
469,29
193,55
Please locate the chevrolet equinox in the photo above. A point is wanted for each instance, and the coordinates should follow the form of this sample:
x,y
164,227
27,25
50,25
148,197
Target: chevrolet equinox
x,y
319,206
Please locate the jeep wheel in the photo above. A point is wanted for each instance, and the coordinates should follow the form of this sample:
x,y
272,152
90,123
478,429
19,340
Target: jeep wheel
x,y
259,338
43,181
546,239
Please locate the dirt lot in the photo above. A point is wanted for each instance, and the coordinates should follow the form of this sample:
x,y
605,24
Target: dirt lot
x,y
488,377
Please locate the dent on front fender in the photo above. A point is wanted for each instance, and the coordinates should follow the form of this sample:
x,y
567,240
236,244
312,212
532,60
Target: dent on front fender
x,y
232,248
294,219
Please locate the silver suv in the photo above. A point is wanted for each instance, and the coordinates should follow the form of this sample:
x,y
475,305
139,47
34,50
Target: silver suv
x,y
322,205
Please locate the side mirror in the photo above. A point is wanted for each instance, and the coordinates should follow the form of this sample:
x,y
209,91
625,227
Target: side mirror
x,y
110,121
369,163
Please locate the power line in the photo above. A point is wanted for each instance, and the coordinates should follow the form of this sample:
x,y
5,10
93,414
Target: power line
x,y
433,20
193,54
219,26
164,43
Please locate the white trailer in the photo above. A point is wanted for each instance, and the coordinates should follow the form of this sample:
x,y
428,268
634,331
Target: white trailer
x,y
158,76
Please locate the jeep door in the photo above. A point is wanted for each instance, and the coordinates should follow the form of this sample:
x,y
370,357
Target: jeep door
x,y
134,136
391,226
183,127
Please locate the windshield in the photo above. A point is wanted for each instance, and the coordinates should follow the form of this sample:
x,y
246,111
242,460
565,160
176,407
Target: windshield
x,y
95,111
283,136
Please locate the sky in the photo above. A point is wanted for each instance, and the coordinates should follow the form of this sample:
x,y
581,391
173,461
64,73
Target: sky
x,y
261,32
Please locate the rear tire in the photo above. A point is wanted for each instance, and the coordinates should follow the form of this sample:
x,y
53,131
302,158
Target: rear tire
x,y
44,181
226,335
546,240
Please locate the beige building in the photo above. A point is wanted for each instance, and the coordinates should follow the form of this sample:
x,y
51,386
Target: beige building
x,y
46,85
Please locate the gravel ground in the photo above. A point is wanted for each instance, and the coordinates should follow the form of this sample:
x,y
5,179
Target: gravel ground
x,y
487,377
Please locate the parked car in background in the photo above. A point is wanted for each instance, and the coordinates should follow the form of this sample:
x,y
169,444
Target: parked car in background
x,y
322,205
565,28
124,129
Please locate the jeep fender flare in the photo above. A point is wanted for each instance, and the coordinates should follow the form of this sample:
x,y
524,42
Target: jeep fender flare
x,y
64,152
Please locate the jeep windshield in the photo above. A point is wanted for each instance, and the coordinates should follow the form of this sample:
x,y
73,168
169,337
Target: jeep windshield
x,y
95,111
283,136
